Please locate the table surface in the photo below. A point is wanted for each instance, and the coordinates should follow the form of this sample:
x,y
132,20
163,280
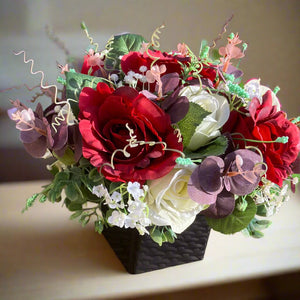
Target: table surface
x,y
44,255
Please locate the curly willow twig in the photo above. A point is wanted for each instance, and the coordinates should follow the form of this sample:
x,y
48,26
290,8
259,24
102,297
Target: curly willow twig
x,y
155,43
222,32
60,116
52,36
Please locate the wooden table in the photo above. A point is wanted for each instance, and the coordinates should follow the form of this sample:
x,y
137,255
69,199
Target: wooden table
x,y
44,255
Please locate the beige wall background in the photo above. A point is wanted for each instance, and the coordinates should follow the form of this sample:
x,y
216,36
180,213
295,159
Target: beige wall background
x,y
271,29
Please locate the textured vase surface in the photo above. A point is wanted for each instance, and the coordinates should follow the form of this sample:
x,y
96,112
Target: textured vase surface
x,y
141,254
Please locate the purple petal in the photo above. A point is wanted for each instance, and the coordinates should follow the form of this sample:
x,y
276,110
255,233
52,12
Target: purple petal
x,y
199,196
11,111
209,175
243,184
176,107
60,137
148,95
29,136
50,140
223,206
39,111
38,148
169,82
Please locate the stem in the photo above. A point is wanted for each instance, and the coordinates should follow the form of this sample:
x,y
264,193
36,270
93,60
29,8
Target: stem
x,y
256,141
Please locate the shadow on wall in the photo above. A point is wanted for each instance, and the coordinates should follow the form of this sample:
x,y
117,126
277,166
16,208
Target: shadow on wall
x,y
17,165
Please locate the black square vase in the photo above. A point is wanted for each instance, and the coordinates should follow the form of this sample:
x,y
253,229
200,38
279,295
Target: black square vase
x,y
141,254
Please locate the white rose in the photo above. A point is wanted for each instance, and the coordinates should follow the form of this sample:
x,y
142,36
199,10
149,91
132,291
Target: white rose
x,y
218,107
255,89
169,202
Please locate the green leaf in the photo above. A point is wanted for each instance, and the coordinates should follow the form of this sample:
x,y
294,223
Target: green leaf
x,y
75,82
261,210
61,176
54,170
257,234
84,219
94,175
114,186
29,202
214,54
216,147
261,224
43,198
73,206
83,162
88,196
55,189
72,192
54,195
68,157
120,45
75,214
191,121
99,226
169,237
235,222
156,236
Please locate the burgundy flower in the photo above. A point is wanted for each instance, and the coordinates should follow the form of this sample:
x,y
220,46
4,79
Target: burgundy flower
x,y
266,124
126,135
134,60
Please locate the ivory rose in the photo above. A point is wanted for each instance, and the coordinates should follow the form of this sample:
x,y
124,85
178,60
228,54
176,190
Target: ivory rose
x,y
169,202
219,110
256,90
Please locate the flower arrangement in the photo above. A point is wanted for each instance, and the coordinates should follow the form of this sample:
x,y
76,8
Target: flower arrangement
x,y
148,139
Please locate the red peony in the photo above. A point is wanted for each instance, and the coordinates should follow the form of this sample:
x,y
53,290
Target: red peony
x,y
265,123
106,118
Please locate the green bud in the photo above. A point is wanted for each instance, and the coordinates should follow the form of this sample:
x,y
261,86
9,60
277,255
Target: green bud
x,y
282,139
231,35
276,90
83,26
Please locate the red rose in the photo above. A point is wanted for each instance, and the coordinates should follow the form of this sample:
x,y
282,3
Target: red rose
x,y
106,118
266,124
134,60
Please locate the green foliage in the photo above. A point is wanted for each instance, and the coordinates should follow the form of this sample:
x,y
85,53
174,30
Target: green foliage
x,y
255,226
57,185
261,210
29,202
75,82
68,157
191,121
120,45
162,234
216,147
114,186
235,222
76,183
99,226
215,55
75,214
155,234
